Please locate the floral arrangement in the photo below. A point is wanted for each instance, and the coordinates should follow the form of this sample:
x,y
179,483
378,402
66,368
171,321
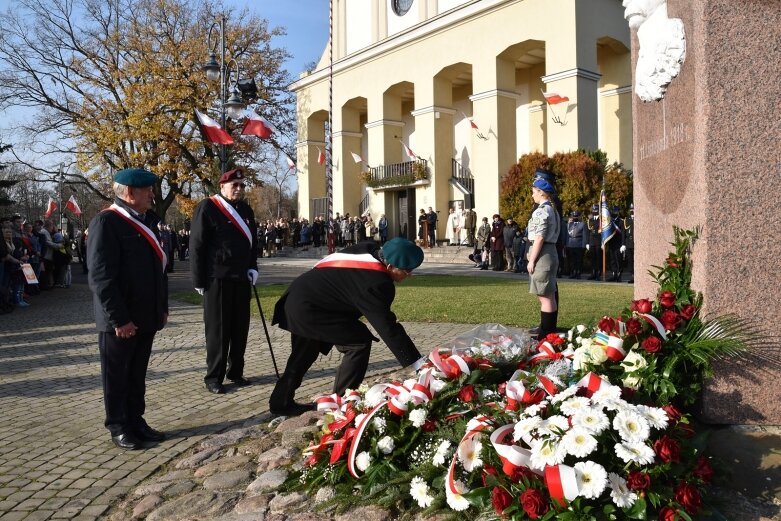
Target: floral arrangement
x,y
586,426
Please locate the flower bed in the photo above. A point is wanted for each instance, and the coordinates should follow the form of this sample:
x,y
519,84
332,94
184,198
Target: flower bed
x,y
593,424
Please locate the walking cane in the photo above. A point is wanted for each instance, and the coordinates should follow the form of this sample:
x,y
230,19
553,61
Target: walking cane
x,y
265,328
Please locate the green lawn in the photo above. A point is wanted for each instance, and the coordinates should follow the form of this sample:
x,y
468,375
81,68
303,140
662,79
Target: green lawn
x,y
480,300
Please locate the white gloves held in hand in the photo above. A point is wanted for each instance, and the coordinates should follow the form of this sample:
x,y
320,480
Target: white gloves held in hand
x,y
252,275
199,291
588,247
622,249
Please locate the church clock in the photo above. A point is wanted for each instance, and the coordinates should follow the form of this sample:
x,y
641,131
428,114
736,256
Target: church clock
x,y
400,7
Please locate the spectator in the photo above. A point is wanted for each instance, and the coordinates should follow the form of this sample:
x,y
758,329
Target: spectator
x,y
497,242
13,255
509,235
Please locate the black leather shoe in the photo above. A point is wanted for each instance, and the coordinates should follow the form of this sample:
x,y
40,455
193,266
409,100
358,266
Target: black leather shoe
x,y
241,381
535,331
216,388
126,441
293,409
147,433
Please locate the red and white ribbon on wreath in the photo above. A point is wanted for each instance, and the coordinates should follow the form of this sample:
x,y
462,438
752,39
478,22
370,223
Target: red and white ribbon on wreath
x,y
561,482
515,390
593,383
356,440
655,322
614,346
511,456
334,402
473,427
451,366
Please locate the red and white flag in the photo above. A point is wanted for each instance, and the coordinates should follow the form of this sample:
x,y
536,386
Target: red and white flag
x,y
320,156
357,158
50,207
212,131
553,99
73,206
256,125
471,123
409,152
290,163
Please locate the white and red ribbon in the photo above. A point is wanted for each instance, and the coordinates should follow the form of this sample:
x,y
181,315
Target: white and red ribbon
x,y
473,427
655,322
146,233
592,382
363,261
233,216
561,482
451,366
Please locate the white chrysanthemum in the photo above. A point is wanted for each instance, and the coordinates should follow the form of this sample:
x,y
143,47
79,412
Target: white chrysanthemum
x,y
593,420
635,452
469,454
574,405
454,499
597,353
525,427
386,445
373,397
655,416
631,426
622,496
436,385
534,410
379,424
554,426
579,442
591,478
363,460
419,491
546,452
563,395
359,418
441,453
418,417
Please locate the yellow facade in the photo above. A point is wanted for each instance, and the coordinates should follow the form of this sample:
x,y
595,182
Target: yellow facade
x,y
418,78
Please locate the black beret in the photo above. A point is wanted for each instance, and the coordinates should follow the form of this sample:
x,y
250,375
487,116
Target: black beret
x,y
135,177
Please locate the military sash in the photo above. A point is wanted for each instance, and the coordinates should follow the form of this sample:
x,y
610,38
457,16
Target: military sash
x,y
144,230
233,216
362,261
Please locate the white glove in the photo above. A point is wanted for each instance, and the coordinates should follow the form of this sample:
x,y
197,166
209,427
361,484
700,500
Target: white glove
x,y
199,291
252,275
588,247
622,249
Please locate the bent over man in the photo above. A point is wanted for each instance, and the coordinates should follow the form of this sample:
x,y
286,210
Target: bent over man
x,y
322,309
130,287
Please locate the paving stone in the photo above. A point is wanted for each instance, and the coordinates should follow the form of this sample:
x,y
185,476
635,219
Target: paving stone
x,y
222,465
174,475
195,504
226,480
368,513
39,515
146,505
179,489
287,502
276,457
298,437
227,438
267,481
152,488
252,504
324,494
196,459
296,422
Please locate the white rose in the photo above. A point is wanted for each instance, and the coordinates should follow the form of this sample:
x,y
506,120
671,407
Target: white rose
x,y
363,460
632,362
597,354
580,328
437,385
586,342
379,424
386,445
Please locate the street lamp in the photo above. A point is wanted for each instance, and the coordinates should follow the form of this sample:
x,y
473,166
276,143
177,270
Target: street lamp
x,y
231,104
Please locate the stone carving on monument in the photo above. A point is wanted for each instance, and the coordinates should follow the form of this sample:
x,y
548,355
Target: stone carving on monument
x,y
662,46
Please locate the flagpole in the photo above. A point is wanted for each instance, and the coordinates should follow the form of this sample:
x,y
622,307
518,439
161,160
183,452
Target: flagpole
x,y
329,187
62,204
602,198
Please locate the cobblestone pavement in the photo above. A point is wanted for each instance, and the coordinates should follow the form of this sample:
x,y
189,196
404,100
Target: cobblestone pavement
x,y
56,458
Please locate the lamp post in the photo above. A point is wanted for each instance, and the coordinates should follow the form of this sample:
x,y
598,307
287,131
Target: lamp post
x,y
231,104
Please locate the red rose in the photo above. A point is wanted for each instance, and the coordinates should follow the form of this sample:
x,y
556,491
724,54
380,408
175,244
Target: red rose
x,y
652,344
642,305
637,480
467,393
554,339
488,470
703,470
633,326
535,397
667,449
516,473
429,426
670,320
533,503
688,497
607,324
667,299
688,311
668,514
500,499
672,413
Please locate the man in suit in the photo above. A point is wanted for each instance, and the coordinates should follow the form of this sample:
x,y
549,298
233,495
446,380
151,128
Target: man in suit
x,y
594,246
615,246
322,309
224,266
576,243
470,225
431,219
130,288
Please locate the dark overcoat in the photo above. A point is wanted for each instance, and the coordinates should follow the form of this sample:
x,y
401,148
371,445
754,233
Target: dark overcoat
x,y
325,304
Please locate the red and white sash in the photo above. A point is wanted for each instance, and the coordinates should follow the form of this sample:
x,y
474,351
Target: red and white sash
x,y
144,230
233,216
361,261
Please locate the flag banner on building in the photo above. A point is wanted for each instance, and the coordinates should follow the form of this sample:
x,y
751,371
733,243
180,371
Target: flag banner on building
x,y
290,163
553,99
212,131
606,229
357,158
320,156
73,206
256,125
50,207
471,123
408,151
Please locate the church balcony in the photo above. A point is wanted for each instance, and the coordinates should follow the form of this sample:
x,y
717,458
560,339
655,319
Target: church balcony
x,y
397,175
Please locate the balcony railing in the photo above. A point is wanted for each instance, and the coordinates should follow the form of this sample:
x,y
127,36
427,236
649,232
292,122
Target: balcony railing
x,y
396,174
462,179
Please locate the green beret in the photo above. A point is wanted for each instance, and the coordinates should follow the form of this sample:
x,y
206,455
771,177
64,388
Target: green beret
x,y
135,177
402,254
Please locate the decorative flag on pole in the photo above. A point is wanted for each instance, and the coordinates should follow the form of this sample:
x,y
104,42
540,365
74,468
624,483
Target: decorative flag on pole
x,y
408,151
553,99
290,163
320,156
606,229
256,125
73,206
212,131
471,123
50,207
357,158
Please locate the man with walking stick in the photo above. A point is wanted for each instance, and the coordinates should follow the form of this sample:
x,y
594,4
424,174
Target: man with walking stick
x,y
224,266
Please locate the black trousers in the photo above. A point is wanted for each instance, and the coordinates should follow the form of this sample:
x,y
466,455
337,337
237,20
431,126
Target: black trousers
x,y
304,352
596,259
614,256
123,363
226,318
575,260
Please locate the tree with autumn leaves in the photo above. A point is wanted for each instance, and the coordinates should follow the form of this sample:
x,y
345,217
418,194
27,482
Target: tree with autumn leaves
x,y
115,84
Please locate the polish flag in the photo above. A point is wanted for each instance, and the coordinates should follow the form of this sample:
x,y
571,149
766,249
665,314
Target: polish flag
x,y
290,163
212,131
552,98
409,152
73,206
50,207
471,123
320,156
256,125
357,158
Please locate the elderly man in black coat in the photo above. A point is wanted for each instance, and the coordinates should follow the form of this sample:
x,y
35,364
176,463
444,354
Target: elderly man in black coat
x,y
130,287
322,308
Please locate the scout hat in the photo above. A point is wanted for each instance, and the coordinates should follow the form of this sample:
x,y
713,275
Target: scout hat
x,y
402,254
232,175
135,177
